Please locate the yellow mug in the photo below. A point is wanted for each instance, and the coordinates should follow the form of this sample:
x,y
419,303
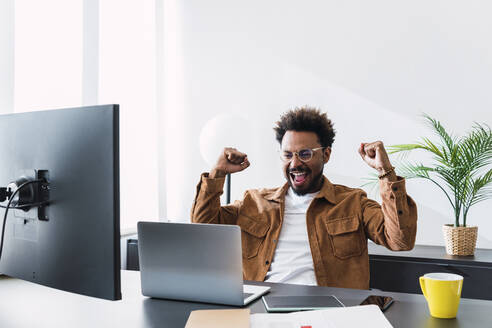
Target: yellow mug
x,y
442,292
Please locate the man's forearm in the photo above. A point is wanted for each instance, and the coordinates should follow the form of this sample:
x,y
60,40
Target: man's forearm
x,y
400,214
217,173
206,206
390,177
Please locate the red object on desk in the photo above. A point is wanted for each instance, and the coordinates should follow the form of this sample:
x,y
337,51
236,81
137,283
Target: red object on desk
x,y
306,327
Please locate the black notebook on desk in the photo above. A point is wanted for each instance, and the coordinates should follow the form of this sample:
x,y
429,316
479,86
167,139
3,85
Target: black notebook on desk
x,y
300,303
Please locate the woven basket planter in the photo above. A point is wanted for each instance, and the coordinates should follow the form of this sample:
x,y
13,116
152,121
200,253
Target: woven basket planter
x,y
460,240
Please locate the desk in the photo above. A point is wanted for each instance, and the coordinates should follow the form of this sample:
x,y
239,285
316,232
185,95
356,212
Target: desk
x,y
24,304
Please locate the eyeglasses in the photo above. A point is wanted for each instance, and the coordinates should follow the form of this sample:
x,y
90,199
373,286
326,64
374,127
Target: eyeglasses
x,y
304,155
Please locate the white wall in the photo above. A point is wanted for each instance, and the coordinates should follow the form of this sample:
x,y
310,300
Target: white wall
x,y
374,66
127,68
7,56
48,54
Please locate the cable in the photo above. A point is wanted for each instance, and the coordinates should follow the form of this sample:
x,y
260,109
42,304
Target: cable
x,y
8,207
20,207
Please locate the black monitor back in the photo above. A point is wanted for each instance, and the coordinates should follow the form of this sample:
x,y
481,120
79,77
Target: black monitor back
x,y
78,248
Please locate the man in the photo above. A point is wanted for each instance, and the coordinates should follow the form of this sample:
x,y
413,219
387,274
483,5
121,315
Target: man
x,y
310,231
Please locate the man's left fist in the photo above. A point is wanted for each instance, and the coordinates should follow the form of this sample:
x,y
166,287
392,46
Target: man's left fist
x,y
374,154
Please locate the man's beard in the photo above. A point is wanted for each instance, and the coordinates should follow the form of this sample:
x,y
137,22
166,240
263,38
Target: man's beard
x,y
317,180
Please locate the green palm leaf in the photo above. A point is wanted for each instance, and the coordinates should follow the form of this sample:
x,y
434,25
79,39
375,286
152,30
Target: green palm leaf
x,y
476,147
458,165
448,140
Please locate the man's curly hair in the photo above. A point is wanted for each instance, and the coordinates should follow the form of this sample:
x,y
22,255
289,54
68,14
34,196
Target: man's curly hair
x,y
306,119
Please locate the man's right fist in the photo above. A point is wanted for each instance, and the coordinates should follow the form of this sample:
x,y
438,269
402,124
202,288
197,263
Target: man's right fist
x,y
230,161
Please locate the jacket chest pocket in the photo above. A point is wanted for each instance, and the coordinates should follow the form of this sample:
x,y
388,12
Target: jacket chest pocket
x,y
252,235
347,239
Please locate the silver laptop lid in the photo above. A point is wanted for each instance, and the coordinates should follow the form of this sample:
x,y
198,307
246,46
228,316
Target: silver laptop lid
x,y
193,262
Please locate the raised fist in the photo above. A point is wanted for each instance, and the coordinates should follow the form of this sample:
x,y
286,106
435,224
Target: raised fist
x,y
230,161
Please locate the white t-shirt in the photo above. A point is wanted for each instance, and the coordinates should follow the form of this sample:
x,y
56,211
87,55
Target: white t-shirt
x,y
292,262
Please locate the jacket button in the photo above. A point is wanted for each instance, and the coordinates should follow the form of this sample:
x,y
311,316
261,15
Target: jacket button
x,y
275,240
400,212
267,262
395,188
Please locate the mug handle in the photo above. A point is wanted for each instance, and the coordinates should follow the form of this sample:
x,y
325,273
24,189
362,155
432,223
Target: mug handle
x,y
422,286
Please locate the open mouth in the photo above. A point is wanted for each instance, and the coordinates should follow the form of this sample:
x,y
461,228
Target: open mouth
x,y
298,177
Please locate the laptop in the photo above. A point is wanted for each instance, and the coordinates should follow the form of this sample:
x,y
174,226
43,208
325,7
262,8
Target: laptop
x,y
193,262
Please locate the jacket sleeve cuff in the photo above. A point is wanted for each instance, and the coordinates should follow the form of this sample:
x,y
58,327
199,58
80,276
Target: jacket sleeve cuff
x,y
211,185
393,188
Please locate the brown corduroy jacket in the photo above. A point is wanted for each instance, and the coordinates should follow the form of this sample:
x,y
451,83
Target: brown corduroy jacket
x,y
339,222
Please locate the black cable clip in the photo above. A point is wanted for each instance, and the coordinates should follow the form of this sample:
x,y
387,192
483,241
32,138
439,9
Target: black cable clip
x,y
5,193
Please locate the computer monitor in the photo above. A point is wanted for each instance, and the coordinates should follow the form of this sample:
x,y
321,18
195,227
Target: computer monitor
x,y
70,238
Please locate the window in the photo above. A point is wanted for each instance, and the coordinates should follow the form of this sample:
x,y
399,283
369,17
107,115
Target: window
x,y
86,52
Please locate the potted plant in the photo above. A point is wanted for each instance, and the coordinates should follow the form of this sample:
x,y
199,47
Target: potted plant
x,y
460,168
